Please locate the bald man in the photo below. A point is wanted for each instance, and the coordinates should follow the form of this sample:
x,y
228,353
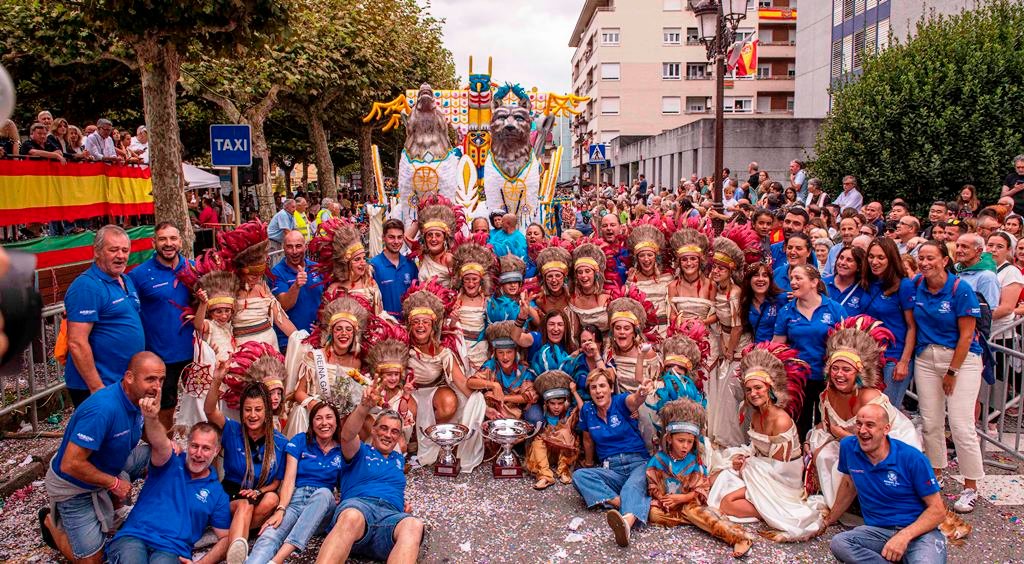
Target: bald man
x,y
899,497
97,461
611,232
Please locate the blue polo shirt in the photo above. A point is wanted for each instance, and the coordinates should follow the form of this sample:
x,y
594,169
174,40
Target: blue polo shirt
x,y
233,441
890,311
393,281
762,320
108,424
892,492
315,467
852,299
618,433
96,297
779,258
936,314
781,277
162,296
303,313
372,474
194,503
807,335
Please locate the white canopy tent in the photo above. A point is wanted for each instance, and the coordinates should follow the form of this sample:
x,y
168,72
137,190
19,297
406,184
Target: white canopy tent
x,y
196,178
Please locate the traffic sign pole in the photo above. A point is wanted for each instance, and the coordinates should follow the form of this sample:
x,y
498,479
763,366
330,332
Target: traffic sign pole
x,y
234,196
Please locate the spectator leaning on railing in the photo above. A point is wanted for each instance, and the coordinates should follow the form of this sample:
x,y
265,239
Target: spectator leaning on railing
x,y
39,146
100,145
10,141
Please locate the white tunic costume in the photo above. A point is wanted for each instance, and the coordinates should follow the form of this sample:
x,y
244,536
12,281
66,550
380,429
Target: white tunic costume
x,y
518,194
419,178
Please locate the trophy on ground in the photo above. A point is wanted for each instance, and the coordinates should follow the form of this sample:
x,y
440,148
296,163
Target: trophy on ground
x,y
507,432
447,436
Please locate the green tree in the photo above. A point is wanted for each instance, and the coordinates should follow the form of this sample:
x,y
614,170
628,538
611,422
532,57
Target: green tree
x,y
930,115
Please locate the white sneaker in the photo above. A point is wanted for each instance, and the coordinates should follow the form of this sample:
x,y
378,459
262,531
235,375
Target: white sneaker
x,y
619,527
238,551
965,503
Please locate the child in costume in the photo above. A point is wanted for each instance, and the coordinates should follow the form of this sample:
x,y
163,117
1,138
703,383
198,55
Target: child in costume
x,y
589,300
388,361
439,220
682,375
553,278
557,438
647,242
507,382
677,479
473,265
507,304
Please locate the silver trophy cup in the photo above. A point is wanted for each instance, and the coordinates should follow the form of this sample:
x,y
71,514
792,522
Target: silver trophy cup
x,y
447,436
506,433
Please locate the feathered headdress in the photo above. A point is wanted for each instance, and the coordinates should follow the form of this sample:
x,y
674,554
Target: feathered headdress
x,y
645,237
553,258
589,253
438,212
553,384
245,246
746,239
388,346
353,309
254,361
511,269
682,416
688,241
336,244
861,341
689,349
438,302
210,261
499,335
472,255
631,304
777,366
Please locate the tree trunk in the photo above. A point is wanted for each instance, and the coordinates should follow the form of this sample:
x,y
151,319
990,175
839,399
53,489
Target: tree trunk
x,y
160,65
324,166
366,159
305,175
288,178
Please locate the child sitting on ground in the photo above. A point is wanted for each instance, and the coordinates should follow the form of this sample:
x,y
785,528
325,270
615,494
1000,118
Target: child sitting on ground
x,y
557,437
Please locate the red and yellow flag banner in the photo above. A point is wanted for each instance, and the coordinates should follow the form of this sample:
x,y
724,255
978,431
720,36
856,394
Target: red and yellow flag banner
x,y
39,191
776,14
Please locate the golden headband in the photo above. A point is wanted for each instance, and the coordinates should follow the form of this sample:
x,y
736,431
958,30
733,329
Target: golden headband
x,y
343,316
471,268
680,360
273,383
255,269
422,311
758,375
624,316
725,259
389,366
689,250
353,249
555,265
646,246
223,300
585,261
435,225
849,356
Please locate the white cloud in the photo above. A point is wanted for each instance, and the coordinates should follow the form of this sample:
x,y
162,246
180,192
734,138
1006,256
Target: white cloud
x,y
528,39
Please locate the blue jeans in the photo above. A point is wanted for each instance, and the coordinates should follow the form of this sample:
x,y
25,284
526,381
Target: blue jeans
x,y
864,545
77,516
893,389
623,476
130,550
305,516
533,414
381,519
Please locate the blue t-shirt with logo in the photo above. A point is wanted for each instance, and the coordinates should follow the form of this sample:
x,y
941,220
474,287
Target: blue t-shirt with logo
x,y
315,467
372,474
303,313
807,335
890,311
892,492
174,509
233,441
98,298
108,424
852,298
161,296
393,281
762,320
618,433
937,314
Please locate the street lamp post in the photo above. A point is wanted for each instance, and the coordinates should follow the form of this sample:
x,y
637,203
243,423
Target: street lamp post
x,y
717,21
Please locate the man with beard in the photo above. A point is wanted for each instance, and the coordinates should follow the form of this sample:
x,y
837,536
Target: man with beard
x,y
97,461
392,271
371,520
160,296
899,497
178,484
611,231
795,221
102,307
296,285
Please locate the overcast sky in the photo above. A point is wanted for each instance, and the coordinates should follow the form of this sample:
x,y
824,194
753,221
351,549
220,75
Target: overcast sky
x,y
528,39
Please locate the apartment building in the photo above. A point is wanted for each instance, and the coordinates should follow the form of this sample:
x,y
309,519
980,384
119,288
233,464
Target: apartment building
x,y
645,72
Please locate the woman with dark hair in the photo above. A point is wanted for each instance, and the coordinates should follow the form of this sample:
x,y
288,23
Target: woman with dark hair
x,y
551,347
844,287
889,298
587,358
789,198
969,202
535,241
798,252
804,324
948,367
312,470
1000,245
760,300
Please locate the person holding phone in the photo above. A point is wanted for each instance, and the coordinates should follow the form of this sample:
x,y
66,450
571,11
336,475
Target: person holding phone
x,y
1013,185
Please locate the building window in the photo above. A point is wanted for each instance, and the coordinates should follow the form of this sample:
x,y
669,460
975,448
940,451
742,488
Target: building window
x,y
789,103
744,34
734,105
696,104
692,37
696,71
670,71
608,136
764,71
671,35
883,34
610,36
837,59
671,105
673,5
610,106
610,71
791,70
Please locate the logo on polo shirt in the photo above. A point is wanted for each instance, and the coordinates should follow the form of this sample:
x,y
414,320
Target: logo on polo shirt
x,y
86,311
159,285
854,301
945,307
336,461
891,479
122,433
826,318
202,495
408,278
614,421
84,437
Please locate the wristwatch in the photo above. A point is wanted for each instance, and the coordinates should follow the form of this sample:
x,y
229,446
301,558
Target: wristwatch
x,y
951,372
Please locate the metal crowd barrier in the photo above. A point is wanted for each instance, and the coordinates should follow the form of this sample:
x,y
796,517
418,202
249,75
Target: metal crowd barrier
x,y
1000,422
40,375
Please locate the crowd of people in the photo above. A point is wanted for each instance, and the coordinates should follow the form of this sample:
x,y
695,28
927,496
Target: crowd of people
x,y
676,374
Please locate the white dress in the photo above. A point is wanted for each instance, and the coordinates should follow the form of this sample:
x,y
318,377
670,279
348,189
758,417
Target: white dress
x,y
472,319
597,316
827,461
775,488
254,320
430,268
723,389
657,292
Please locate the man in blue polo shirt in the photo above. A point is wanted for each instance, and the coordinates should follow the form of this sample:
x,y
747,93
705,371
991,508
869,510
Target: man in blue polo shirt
x,y
161,295
371,520
103,316
795,221
899,497
97,461
179,485
392,271
297,286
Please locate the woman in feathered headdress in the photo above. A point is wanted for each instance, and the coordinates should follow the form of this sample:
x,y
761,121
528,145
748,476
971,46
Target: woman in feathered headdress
x,y
688,292
438,223
342,261
553,278
441,389
855,350
647,243
764,479
677,477
630,352
257,311
388,363
473,266
737,247
589,300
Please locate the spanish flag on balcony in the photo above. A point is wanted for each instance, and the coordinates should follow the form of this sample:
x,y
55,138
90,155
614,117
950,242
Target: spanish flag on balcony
x,y
39,191
744,60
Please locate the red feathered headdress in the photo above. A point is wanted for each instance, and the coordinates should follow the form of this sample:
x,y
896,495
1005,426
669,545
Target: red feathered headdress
x,y
249,355
778,366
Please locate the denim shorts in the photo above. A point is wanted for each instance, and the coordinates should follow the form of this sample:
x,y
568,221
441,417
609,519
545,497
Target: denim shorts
x,y
381,519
